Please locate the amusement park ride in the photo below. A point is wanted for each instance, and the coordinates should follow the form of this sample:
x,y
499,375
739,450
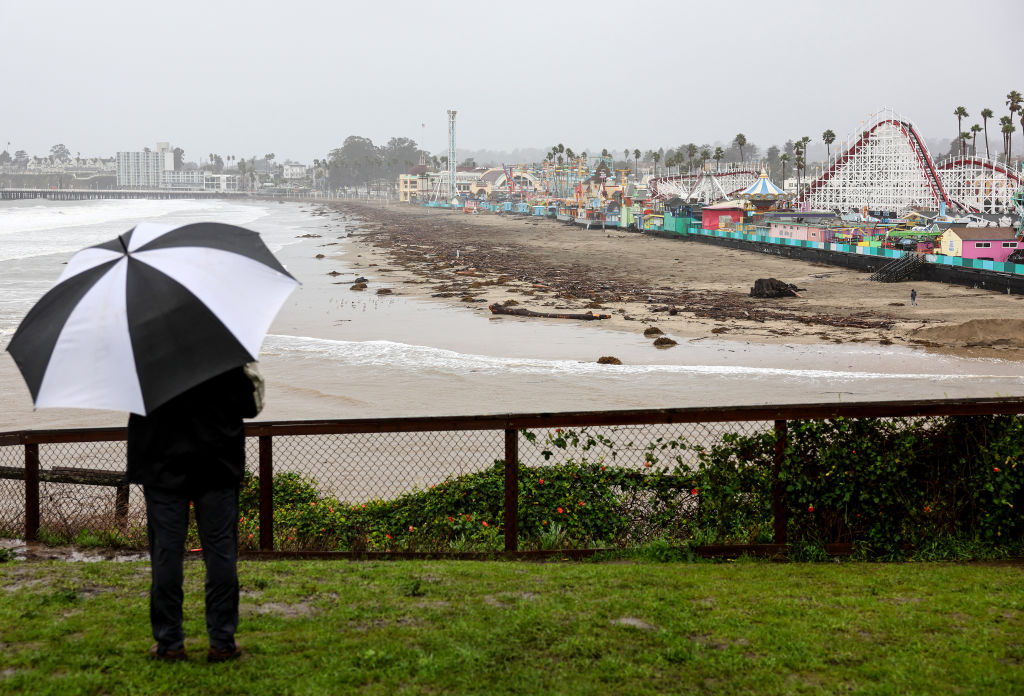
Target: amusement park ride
x,y
884,166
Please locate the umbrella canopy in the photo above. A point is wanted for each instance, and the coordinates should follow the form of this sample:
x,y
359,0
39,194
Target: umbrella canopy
x,y
142,318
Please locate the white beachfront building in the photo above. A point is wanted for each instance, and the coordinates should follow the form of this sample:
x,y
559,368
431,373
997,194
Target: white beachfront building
x,y
144,169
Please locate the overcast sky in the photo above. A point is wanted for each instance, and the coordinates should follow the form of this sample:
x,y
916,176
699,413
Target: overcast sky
x,y
296,77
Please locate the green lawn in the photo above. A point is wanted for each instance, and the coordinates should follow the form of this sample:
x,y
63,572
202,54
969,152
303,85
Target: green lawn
x,y
450,627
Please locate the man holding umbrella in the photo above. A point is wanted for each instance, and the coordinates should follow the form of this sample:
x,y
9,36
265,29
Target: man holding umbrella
x,y
191,451
163,322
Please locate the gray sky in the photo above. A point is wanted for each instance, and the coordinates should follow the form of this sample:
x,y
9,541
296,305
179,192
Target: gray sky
x,y
296,77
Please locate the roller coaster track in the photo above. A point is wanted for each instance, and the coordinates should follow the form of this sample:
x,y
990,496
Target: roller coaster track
x,y
920,153
690,182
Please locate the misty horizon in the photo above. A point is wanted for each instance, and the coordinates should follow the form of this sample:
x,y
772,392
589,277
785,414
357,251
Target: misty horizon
x,y
250,79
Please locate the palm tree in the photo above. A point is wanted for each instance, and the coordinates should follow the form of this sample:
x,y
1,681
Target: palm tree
x,y
719,154
656,156
740,141
975,129
1007,128
805,141
691,153
829,137
1014,100
636,160
964,137
705,155
960,113
986,114
798,161
783,158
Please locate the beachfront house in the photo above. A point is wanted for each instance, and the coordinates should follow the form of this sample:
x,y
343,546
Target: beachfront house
x,y
991,243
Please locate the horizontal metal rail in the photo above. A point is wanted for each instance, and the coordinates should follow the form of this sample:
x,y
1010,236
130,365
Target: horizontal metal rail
x,y
510,425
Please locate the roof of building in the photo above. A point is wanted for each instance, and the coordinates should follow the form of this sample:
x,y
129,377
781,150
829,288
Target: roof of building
x,y
492,175
984,233
763,189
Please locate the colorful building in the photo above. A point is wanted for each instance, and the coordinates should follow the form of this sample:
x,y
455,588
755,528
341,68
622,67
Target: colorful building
x,y
991,243
723,214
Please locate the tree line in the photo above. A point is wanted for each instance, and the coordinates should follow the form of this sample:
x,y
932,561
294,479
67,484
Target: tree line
x,y
1015,107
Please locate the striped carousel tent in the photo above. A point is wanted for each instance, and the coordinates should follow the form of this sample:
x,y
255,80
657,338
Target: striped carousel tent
x,y
763,192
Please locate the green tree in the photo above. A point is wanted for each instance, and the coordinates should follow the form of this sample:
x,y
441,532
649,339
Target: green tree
x,y
705,155
828,137
21,159
975,129
5,158
60,152
636,161
960,113
1014,100
986,114
783,158
719,154
179,156
805,141
1007,128
656,157
691,154
964,137
772,155
740,141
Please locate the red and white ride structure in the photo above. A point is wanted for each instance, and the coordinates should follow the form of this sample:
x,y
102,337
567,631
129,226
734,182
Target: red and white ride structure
x,y
886,166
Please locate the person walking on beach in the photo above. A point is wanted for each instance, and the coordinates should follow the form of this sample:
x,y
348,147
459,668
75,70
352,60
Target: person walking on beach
x,y
913,297
190,452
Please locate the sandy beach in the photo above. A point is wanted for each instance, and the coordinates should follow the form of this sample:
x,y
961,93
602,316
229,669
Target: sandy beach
x,y
549,266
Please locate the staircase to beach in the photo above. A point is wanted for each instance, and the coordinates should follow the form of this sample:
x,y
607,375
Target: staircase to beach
x,y
898,269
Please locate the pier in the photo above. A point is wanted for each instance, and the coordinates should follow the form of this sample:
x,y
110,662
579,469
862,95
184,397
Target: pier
x,y
69,194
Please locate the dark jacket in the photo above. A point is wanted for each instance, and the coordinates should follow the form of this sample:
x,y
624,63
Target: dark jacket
x,y
196,439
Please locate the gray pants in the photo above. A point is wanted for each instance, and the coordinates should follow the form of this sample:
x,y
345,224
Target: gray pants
x,y
217,520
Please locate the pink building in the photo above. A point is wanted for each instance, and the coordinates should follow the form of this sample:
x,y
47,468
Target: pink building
x,y
797,230
992,243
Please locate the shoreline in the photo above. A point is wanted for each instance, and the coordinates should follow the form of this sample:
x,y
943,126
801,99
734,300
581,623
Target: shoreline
x,y
548,266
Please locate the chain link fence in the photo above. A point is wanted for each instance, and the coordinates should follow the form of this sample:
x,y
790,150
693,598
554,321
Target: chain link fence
x,y
430,484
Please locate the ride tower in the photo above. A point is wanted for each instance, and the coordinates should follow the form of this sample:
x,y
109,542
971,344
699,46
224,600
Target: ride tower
x,y
452,188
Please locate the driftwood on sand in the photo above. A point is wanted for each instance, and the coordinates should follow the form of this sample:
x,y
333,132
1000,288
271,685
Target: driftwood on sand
x,y
773,287
498,308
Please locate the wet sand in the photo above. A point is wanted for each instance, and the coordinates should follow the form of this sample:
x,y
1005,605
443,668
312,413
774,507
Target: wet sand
x,y
549,266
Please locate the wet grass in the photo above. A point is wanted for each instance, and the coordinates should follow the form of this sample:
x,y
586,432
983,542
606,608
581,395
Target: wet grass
x,y
625,627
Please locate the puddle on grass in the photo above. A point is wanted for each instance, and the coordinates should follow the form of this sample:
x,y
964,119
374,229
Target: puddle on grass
x,y
34,551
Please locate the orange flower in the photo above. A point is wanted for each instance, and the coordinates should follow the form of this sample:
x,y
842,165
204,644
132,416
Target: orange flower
x,y
468,518
582,503
995,469
693,492
810,508
451,519
560,511
927,508
410,527
388,536
647,463
484,523
542,482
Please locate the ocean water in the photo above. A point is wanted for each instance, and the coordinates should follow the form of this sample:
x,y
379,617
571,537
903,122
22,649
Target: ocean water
x,y
335,353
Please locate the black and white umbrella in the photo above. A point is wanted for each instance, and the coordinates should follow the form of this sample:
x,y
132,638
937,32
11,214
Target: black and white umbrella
x,y
140,319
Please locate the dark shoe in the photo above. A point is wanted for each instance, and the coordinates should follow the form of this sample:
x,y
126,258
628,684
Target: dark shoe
x,y
168,654
224,654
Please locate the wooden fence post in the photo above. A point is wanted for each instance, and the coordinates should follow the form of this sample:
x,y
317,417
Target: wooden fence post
x,y
266,493
31,492
511,489
778,508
